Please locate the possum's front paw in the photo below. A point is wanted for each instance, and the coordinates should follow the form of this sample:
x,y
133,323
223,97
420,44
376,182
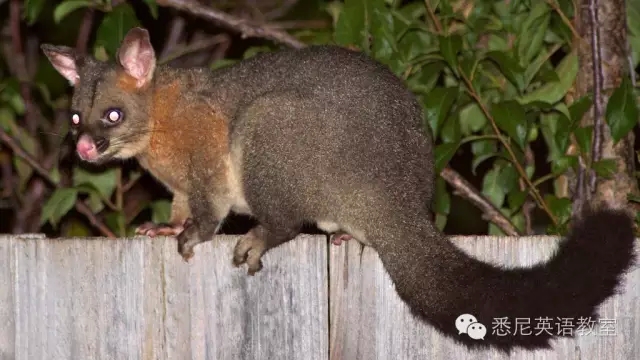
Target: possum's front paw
x,y
152,229
249,250
187,239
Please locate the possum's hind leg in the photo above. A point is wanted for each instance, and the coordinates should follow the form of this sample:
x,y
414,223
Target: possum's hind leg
x,y
258,241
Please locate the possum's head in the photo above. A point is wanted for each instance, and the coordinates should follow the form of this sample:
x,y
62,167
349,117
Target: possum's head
x,y
110,104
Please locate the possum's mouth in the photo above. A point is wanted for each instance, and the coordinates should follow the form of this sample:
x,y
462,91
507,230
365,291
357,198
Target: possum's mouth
x,y
92,149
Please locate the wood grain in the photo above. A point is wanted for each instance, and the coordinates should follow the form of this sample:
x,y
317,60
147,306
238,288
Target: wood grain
x,y
369,321
137,299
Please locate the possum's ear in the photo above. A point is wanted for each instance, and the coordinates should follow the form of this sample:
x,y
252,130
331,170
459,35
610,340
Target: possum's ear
x,y
136,56
63,59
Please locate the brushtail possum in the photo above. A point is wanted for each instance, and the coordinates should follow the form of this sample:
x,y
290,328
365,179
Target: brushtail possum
x,y
329,136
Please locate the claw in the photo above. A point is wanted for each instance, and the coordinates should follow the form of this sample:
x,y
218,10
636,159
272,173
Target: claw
x,y
339,237
249,250
152,229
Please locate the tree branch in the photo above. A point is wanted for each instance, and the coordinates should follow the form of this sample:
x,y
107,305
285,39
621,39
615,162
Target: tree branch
x,y
80,206
490,213
596,149
245,27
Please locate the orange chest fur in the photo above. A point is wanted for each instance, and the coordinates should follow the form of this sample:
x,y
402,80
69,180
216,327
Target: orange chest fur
x,y
188,136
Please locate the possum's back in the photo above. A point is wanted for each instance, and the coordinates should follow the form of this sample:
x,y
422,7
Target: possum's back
x,y
333,119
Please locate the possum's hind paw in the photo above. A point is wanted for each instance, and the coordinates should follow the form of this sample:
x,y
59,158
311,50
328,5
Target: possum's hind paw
x,y
249,250
339,237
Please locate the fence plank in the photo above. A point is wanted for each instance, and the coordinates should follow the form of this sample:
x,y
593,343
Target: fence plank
x,y
137,299
369,321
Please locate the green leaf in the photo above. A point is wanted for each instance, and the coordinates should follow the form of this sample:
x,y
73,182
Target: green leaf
x,y
605,168
161,211
116,220
153,7
622,110
583,138
580,107
355,23
255,50
444,153
437,105
483,150
114,27
11,94
508,178
516,199
222,63
104,182
472,119
509,67
510,118
32,10
534,67
553,92
533,31
58,205
560,207
633,197
442,202
450,46
564,128
450,132
68,7
491,187
562,163
425,80
76,228
384,44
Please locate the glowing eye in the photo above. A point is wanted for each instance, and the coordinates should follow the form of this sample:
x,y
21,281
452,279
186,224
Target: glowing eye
x,y
113,115
75,119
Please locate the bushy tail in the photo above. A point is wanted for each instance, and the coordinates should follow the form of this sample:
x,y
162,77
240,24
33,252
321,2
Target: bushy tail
x,y
440,282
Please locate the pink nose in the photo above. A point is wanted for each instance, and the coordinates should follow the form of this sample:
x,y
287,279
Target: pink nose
x,y
86,148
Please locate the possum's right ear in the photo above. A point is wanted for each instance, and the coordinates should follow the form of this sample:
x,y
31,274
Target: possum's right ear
x,y
136,56
63,59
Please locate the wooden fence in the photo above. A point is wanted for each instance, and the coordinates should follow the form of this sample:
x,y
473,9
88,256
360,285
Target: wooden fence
x,y
136,299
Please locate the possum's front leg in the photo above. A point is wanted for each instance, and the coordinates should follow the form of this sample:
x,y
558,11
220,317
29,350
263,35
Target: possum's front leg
x,y
202,225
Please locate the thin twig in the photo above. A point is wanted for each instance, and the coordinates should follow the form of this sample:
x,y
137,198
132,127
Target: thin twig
x,y
82,42
466,190
193,47
434,18
175,33
534,191
528,206
245,27
554,5
280,11
80,206
20,62
598,124
302,24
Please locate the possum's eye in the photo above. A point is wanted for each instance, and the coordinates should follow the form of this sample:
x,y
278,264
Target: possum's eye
x,y
113,116
75,118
